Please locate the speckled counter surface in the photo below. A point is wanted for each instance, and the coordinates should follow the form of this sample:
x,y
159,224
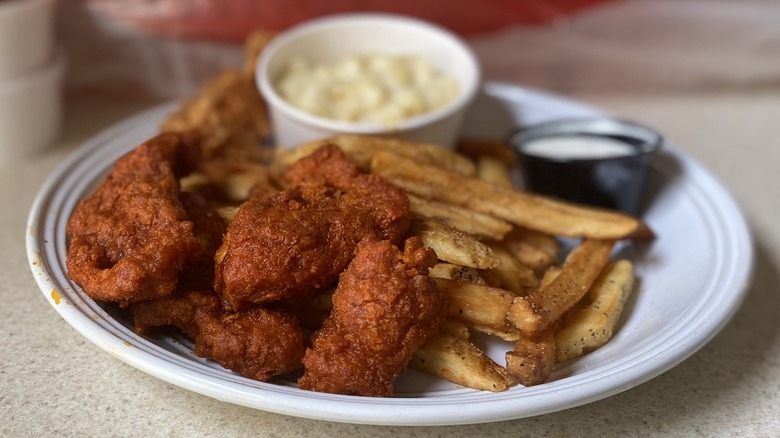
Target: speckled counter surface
x,y
53,382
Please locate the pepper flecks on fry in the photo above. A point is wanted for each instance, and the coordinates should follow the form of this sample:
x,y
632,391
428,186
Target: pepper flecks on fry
x,y
524,209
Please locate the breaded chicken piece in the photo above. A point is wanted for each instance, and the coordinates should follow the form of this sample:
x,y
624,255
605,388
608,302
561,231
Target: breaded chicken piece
x,y
384,308
230,115
256,343
295,243
329,167
229,112
129,240
253,46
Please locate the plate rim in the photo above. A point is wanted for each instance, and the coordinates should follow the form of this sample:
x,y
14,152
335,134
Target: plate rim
x,y
374,411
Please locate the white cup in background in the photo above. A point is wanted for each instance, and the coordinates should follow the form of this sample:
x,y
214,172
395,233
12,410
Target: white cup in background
x,y
31,110
331,38
26,36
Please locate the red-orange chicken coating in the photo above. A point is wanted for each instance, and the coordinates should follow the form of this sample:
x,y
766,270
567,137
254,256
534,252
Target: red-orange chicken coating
x,y
208,229
257,343
384,308
131,237
295,243
329,167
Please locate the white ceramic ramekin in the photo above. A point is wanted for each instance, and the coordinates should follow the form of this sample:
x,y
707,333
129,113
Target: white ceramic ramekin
x,y
332,38
26,36
31,110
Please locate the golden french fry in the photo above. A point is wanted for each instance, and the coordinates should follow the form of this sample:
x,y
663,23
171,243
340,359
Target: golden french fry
x,y
477,304
499,150
460,362
536,312
493,171
461,219
506,334
238,180
549,275
514,276
593,325
524,209
532,248
193,182
532,360
254,44
229,114
227,212
454,246
490,278
360,149
455,272
455,328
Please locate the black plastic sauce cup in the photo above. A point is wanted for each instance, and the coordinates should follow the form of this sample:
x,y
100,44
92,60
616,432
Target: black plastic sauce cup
x,y
615,182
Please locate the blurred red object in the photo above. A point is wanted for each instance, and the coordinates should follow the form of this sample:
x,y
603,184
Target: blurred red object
x,y
233,20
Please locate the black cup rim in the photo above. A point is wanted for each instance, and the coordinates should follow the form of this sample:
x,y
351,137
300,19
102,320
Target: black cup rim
x,y
651,140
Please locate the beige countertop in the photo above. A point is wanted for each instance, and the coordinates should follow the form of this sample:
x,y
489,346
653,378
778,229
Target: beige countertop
x,y
53,382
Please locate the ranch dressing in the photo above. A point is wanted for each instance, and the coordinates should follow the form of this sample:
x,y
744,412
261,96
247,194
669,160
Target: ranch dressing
x,y
578,147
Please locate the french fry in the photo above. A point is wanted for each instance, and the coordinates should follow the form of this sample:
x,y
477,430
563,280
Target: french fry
x,y
532,248
450,271
542,308
455,272
455,328
227,212
593,325
520,208
495,149
461,219
532,360
477,304
490,278
514,276
454,246
506,334
460,362
513,335
493,171
237,180
254,45
550,274
361,149
193,182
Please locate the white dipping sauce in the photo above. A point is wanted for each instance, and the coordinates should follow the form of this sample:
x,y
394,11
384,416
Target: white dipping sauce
x,y
578,147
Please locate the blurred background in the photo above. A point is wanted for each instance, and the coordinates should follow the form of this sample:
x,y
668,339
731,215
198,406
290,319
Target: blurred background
x,y
163,49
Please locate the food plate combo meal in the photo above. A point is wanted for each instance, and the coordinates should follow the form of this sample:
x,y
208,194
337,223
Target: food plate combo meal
x,y
374,280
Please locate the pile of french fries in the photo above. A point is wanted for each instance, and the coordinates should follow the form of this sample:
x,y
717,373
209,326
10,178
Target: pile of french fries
x,y
500,262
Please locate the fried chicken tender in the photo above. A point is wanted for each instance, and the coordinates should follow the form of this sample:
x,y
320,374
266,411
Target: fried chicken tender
x,y
253,46
230,115
384,308
129,240
295,243
257,343
229,111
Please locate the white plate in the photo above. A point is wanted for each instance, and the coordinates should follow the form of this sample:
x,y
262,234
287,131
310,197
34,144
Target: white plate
x,y
692,280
